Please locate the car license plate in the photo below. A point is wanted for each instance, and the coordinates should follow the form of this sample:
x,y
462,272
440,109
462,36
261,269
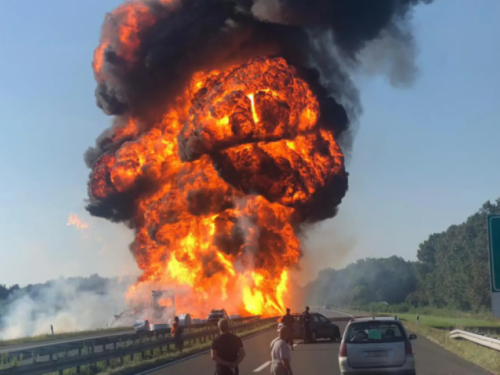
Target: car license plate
x,y
376,354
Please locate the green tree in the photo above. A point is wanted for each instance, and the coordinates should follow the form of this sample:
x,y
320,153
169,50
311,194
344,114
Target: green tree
x,y
452,268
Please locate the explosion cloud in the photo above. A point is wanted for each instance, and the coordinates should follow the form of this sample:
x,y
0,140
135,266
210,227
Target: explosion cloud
x,y
229,121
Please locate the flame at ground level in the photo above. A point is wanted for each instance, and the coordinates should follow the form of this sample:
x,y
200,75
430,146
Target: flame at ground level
x,y
230,171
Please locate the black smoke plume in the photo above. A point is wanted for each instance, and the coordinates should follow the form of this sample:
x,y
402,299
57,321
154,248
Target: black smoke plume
x,y
324,39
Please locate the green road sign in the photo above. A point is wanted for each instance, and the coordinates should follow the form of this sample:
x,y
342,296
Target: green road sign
x,y
494,240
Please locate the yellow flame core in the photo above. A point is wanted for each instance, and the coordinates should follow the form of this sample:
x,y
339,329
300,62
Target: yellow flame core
x,y
254,112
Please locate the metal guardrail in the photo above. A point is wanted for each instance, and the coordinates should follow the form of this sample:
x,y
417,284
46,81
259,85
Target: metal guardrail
x,y
58,357
485,341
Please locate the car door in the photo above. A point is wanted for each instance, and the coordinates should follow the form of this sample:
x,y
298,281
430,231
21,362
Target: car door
x,y
317,326
298,331
327,327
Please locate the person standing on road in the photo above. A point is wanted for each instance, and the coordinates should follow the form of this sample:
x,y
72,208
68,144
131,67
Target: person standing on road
x,y
288,321
176,333
227,351
306,321
280,353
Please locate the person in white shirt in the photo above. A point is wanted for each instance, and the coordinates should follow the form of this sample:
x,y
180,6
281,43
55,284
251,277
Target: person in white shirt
x,y
280,353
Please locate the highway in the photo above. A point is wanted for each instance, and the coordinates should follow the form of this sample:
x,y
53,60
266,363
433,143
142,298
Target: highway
x,y
321,358
37,344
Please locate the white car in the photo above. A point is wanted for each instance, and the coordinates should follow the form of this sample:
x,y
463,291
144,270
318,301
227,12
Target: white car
x,y
141,326
376,346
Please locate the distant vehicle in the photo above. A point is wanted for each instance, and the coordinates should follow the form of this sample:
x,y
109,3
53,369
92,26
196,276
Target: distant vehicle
x,y
158,326
216,315
163,304
376,345
185,320
141,326
321,328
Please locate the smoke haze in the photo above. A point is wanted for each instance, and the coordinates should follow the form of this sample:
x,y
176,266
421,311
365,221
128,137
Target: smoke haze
x,y
73,304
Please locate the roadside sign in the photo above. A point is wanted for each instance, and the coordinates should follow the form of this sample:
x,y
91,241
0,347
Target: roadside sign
x,y
494,244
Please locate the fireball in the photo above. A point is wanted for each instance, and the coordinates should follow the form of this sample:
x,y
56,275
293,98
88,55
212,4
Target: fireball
x,y
218,187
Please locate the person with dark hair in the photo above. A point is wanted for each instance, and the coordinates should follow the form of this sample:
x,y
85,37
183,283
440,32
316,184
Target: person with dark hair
x,y
306,321
288,321
227,351
176,332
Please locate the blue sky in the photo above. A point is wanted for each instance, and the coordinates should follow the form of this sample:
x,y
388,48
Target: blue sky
x,y
424,157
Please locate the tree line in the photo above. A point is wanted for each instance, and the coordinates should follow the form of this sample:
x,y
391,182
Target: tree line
x,y
93,283
60,292
451,271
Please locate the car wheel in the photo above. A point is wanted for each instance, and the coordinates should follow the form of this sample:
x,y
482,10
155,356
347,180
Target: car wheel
x,y
313,336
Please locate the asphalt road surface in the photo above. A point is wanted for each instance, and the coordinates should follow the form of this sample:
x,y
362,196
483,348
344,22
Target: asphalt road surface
x,y
321,358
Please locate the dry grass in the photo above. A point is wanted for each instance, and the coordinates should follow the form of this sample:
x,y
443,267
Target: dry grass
x,y
451,322
486,358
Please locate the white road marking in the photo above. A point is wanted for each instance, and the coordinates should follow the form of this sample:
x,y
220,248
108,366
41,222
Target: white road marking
x,y
340,312
262,367
192,356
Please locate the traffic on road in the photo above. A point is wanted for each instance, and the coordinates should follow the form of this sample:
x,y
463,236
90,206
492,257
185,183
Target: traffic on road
x,y
385,347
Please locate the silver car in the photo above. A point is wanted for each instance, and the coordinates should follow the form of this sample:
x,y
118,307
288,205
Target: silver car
x,y
376,346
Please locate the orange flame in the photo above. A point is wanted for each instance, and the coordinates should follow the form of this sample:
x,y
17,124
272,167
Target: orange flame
x,y
130,18
187,225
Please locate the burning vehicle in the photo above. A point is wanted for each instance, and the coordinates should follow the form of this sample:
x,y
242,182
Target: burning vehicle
x,y
216,315
163,304
230,120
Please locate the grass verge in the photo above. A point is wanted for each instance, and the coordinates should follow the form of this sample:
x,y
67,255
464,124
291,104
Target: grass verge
x,y
449,322
458,320
59,336
431,327
153,358
486,358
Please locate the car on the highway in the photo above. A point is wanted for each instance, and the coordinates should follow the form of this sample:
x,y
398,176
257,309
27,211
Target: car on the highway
x,y
376,345
216,315
321,327
141,326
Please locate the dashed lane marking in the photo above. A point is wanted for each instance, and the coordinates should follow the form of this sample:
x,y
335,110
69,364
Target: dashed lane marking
x,y
262,367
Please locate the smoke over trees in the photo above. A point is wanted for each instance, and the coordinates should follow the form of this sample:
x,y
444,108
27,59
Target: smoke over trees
x,y
72,304
451,271
453,266
368,280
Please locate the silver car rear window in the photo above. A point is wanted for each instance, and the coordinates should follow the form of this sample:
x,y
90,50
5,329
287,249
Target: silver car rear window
x,y
374,332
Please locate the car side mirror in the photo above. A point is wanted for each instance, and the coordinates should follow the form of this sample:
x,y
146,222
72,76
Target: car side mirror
x,y
412,337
